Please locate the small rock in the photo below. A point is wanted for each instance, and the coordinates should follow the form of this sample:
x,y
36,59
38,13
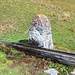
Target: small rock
x,y
73,73
40,32
51,71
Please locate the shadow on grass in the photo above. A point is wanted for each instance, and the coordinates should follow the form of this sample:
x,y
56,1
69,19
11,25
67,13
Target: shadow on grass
x,y
23,41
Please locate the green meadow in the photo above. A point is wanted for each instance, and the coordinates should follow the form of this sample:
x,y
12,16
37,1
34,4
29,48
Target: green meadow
x,y
15,19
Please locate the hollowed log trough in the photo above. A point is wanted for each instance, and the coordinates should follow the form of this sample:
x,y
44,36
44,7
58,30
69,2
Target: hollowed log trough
x,y
61,56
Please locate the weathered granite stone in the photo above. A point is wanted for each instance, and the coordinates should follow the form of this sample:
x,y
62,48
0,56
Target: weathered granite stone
x,y
40,32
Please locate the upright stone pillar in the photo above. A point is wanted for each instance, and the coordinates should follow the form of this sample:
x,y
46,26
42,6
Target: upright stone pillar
x,y
40,32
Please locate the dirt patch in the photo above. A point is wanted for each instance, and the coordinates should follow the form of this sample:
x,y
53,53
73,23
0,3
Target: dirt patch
x,y
37,63
5,27
72,29
30,65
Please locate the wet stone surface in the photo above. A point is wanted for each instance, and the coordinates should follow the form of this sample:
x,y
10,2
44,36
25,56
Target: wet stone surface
x,y
40,32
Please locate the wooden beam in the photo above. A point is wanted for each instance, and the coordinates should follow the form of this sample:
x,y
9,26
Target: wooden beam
x,y
67,58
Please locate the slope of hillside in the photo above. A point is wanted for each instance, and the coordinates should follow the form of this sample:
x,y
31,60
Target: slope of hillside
x,y
16,16
15,19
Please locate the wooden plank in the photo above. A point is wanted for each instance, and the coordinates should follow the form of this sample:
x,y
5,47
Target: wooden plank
x,y
67,58
59,56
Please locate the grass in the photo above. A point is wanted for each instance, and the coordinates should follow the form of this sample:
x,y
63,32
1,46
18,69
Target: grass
x,y
19,15
16,17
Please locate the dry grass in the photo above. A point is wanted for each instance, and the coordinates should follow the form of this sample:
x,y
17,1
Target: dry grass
x,y
5,27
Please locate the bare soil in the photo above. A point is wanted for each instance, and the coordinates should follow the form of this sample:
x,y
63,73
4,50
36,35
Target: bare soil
x,y
5,27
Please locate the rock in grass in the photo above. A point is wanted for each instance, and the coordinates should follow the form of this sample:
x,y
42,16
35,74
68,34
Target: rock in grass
x,y
51,71
73,73
40,32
